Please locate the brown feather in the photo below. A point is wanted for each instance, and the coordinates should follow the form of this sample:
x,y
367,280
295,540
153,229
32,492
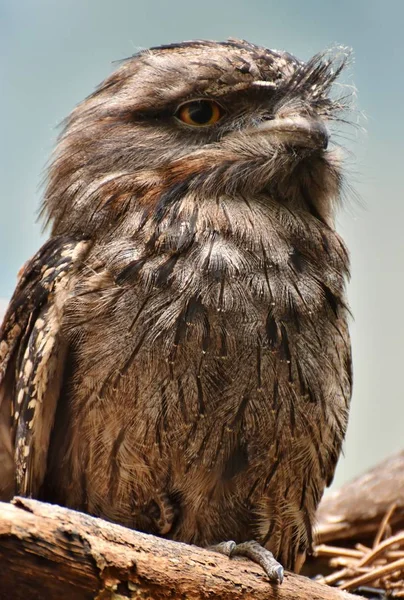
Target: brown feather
x,y
206,387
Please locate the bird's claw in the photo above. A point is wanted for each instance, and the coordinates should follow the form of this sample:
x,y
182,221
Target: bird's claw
x,y
255,552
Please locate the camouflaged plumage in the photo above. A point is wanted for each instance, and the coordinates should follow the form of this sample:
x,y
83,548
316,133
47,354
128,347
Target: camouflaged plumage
x,y
176,358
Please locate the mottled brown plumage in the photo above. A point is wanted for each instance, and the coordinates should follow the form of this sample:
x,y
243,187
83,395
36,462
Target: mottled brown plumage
x,y
176,357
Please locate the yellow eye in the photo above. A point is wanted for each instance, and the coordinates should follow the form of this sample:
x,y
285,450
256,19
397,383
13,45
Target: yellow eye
x,y
199,113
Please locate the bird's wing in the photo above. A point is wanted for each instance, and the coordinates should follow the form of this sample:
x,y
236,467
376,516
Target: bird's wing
x,y
32,354
344,354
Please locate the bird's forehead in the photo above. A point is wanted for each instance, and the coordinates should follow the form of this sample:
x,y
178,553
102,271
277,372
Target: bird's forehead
x,y
217,59
212,68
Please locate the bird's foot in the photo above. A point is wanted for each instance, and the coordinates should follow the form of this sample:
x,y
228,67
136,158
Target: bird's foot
x,y
255,552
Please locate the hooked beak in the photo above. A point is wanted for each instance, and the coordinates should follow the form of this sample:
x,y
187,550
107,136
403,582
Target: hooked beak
x,y
295,131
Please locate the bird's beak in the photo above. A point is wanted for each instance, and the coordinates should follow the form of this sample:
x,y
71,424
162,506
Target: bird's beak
x,y
295,130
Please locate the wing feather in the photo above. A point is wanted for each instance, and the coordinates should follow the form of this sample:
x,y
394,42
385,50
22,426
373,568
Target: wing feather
x,y
32,352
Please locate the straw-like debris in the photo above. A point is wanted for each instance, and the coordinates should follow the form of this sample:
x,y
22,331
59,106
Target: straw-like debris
x,y
380,566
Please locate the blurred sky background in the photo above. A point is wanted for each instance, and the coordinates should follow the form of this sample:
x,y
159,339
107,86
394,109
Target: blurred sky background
x,y
54,52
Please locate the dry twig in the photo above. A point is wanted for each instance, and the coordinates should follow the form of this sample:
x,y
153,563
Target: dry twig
x,y
381,566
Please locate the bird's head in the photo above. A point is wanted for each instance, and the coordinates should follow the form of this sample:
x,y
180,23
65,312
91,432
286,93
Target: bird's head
x,y
201,118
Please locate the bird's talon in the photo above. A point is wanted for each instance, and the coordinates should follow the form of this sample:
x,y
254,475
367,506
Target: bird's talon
x,y
279,571
255,552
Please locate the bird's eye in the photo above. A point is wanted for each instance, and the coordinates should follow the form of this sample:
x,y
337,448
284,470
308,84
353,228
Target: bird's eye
x,y
199,113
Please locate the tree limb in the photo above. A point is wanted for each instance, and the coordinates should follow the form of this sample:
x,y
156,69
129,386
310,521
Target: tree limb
x,y
49,552
354,512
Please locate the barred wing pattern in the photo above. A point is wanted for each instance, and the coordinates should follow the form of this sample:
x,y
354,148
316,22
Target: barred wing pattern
x,y
31,363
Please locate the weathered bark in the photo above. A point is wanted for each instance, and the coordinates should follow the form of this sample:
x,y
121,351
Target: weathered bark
x,y
355,511
49,552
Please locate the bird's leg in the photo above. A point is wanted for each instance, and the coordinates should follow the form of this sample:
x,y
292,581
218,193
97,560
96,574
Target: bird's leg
x,y
255,552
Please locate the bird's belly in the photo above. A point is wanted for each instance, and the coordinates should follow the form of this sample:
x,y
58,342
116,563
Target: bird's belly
x,y
200,446
202,417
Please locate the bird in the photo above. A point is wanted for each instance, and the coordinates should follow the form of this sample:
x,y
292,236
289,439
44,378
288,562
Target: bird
x,y
176,356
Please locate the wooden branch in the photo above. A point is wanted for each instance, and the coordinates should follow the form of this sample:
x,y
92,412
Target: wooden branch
x,y
355,511
48,552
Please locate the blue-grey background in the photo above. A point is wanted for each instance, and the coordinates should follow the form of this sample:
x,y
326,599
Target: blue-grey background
x,y
53,53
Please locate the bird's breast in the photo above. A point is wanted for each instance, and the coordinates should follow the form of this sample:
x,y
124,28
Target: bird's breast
x,y
207,358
